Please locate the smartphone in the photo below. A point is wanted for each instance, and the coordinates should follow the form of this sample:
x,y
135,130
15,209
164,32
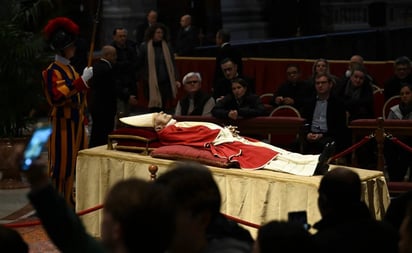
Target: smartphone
x,y
36,145
299,217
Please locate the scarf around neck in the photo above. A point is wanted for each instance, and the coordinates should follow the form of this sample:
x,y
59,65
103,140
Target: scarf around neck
x,y
155,98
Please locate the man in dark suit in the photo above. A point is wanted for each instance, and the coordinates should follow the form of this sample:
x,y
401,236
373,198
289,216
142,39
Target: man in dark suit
x,y
187,37
125,72
325,117
230,71
103,97
225,50
151,18
401,75
346,224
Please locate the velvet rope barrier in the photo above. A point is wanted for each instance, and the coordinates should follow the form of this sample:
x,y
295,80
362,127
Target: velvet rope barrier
x,y
400,143
240,221
353,147
243,222
92,209
37,222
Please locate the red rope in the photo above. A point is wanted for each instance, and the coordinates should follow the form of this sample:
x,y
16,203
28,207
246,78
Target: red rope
x,y
235,219
400,143
353,147
95,208
92,209
23,224
38,222
243,222
240,221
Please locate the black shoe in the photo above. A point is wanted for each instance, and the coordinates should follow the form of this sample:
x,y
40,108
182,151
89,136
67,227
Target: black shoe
x,y
322,167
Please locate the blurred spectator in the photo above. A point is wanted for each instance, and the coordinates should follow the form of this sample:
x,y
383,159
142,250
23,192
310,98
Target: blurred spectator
x,y
226,50
404,109
397,209
346,224
200,225
151,19
322,65
405,231
125,72
397,158
79,60
103,97
158,68
230,71
131,206
357,94
294,91
283,237
11,241
187,37
402,75
354,60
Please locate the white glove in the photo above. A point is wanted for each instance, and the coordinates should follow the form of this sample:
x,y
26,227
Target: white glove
x,y
87,74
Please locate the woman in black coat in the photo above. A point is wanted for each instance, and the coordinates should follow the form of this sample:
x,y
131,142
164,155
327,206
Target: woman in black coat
x,y
240,104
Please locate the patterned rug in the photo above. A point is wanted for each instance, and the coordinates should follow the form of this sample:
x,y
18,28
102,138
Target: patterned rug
x,y
37,238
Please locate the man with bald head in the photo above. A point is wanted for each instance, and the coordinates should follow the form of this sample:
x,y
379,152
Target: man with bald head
x,y
346,224
187,38
151,19
340,193
103,97
355,60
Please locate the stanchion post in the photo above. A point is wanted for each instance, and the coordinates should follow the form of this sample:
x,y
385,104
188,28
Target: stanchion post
x,y
380,138
153,172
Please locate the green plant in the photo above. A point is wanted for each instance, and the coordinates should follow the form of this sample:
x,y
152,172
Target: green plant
x,y
22,59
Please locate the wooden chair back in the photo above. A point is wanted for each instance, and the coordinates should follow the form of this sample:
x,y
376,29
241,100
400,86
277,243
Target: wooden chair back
x,y
267,100
388,104
286,141
285,111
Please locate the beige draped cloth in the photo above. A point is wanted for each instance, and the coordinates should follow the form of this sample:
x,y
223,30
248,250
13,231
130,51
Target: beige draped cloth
x,y
155,98
257,196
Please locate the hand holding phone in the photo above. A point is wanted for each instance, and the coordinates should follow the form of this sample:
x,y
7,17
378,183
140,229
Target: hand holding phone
x,y
36,144
299,217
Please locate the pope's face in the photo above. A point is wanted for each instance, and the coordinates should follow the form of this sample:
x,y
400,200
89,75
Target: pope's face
x,y
161,120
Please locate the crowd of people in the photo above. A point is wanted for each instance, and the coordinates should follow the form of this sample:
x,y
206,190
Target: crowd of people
x,y
328,102
180,212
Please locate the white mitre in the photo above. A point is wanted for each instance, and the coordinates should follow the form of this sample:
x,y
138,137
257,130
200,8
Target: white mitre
x,y
142,120
147,120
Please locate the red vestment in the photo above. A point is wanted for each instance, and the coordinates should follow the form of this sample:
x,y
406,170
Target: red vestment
x,y
203,137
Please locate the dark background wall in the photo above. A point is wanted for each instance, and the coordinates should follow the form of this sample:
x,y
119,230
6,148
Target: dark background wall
x,y
378,30
373,44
